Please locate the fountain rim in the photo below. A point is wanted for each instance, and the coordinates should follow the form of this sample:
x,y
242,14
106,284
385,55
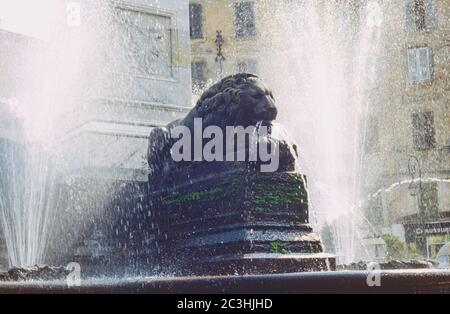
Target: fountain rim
x,y
339,282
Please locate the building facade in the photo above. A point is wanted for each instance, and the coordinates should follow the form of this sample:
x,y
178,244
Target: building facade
x,y
406,165
224,38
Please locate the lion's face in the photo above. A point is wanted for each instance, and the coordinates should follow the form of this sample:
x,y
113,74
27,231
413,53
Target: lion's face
x,y
241,99
258,101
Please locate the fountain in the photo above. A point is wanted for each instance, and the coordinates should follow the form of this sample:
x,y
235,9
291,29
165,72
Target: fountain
x,y
79,187
335,47
224,216
96,100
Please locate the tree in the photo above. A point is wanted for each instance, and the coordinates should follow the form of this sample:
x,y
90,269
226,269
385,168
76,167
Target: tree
x,y
395,249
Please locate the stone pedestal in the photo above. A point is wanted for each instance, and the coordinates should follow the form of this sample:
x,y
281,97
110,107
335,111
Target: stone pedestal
x,y
224,218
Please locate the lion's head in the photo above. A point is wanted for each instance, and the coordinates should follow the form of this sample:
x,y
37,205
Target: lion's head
x,y
237,100
241,99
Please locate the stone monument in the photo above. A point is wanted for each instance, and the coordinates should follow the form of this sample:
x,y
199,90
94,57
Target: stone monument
x,y
135,76
223,217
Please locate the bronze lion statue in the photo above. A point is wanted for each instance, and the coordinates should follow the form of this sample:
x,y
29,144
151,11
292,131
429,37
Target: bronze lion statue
x,y
237,100
241,99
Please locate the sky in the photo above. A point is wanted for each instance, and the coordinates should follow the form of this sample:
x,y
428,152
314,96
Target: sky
x,y
29,17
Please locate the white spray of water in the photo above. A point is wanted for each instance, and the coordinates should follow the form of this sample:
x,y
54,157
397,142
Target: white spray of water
x,y
73,66
322,53
30,193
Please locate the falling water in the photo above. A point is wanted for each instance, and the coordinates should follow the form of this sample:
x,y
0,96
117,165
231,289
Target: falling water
x,y
323,54
68,75
28,195
29,192
30,171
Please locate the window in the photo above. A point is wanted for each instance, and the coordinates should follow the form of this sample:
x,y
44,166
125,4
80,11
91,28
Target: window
x,y
245,19
423,130
420,64
429,200
421,14
248,66
199,73
196,20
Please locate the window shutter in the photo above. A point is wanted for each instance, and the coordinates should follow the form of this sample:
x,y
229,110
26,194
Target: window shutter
x,y
429,200
425,62
245,19
424,133
250,21
420,64
198,69
430,129
196,20
412,65
431,16
239,19
410,16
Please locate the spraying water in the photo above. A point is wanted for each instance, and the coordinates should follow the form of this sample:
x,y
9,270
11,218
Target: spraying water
x,y
324,53
99,61
28,196
30,177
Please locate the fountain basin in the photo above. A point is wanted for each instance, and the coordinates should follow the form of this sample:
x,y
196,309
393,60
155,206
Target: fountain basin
x,y
38,272
408,281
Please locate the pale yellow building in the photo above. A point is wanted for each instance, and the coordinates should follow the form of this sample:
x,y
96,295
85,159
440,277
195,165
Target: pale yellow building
x,y
406,173
224,38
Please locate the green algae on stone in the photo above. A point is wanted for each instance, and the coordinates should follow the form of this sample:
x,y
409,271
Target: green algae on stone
x,y
278,247
269,195
211,194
